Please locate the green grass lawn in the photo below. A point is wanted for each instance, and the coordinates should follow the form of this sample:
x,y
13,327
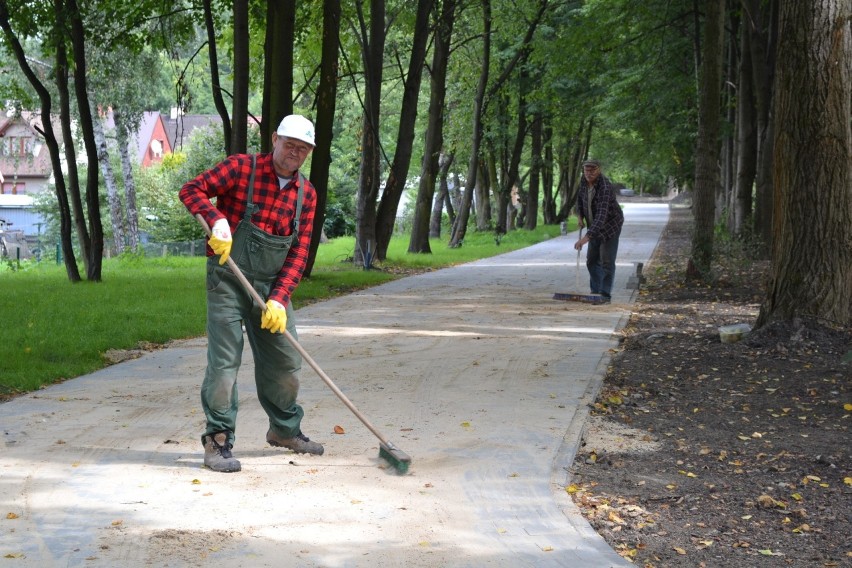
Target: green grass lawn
x,y
54,330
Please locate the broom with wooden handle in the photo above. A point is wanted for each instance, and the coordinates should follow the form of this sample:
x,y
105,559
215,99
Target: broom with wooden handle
x,y
577,296
387,450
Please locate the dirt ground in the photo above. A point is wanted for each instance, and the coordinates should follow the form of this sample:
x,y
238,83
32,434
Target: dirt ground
x,y
703,454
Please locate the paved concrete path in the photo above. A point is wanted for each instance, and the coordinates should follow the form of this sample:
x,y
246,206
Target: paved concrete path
x,y
474,371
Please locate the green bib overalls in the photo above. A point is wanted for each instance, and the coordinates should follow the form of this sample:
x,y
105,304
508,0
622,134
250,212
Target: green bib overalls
x,y
260,256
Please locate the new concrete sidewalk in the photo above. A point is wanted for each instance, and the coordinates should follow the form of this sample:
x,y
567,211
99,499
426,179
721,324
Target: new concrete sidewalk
x,y
474,371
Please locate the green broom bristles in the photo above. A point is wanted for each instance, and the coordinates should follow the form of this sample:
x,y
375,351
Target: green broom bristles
x,y
586,298
395,457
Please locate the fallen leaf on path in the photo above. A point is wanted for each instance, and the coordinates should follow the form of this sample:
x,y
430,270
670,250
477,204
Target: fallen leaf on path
x,y
339,430
613,516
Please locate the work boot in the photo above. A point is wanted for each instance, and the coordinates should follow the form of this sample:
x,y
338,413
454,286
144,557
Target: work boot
x,y
300,444
217,453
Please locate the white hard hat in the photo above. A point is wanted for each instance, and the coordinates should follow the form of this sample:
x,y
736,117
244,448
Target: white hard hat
x,y
298,127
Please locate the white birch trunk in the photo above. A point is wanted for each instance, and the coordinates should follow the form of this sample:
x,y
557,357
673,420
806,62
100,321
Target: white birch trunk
x,y
129,187
109,179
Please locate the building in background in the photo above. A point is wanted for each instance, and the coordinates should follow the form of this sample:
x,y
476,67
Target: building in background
x,y
26,170
24,160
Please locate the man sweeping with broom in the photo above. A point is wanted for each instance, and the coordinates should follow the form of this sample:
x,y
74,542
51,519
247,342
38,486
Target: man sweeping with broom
x,y
598,209
263,220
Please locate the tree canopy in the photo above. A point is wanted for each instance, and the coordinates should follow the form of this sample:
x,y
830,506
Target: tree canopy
x,y
482,108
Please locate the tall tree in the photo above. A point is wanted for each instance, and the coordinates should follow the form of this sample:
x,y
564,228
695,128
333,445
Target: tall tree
x,y
278,52
398,174
124,125
457,236
812,241
434,140
372,39
213,58
746,136
326,104
483,93
239,112
707,151
69,24
533,188
113,199
761,19
51,141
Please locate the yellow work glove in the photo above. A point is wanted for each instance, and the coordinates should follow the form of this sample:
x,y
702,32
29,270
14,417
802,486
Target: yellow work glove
x,y
274,318
220,240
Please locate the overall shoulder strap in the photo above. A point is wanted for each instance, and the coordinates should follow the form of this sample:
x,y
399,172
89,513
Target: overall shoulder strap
x,y
299,200
251,207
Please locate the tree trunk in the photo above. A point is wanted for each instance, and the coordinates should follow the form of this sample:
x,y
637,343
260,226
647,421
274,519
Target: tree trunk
x,y
68,143
51,141
725,203
239,112
548,200
570,167
761,18
483,197
441,197
218,99
811,254
278,67
531,220
427,223
113,200
512,179
480,101
398,174
746,137
95,251
460,224
326,104
123,135
707,152
372,52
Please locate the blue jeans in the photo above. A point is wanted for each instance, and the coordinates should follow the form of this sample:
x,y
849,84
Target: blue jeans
x,y
600,260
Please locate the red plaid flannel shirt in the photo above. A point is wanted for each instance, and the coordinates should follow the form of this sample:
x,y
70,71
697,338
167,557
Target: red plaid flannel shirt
x,y
228,183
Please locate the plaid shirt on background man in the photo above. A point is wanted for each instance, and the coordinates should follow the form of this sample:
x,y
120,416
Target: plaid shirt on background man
x,y
606,212
228,183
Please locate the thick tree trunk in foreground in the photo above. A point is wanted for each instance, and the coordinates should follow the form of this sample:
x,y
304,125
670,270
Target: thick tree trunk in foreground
x,y
812,237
